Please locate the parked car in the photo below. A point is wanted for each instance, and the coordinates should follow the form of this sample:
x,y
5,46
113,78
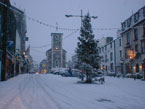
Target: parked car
x,y
55,71
75,72
62,71
118,75
136,75
66,73
98,77
111,74
129,75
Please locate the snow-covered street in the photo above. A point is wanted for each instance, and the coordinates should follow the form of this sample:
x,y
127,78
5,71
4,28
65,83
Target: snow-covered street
x,y
29,91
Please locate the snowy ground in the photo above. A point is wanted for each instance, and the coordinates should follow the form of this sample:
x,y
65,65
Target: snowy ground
x,y
56,92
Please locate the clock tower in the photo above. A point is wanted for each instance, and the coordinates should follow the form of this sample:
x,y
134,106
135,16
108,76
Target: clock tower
x,y
56,56
57,51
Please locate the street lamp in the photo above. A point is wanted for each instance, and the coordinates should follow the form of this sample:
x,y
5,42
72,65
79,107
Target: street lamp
x,y
68,15
81,16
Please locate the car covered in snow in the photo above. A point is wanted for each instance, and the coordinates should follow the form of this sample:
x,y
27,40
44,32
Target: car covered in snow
x,y
98,77
62,71
135,75
66,73
55,70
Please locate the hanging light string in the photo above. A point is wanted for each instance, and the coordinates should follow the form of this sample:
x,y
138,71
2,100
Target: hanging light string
x,y
50,26
67,36
38,51
61,28
38,21
42,46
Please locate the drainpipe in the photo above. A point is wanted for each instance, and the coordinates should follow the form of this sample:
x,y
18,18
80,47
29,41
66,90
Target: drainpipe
x,y
115,55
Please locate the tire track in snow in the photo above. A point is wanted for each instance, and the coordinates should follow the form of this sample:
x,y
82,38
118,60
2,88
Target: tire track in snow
x,y
15,94
64,95
47,93
23,88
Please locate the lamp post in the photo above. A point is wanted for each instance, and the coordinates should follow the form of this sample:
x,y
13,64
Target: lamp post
x,y
81,16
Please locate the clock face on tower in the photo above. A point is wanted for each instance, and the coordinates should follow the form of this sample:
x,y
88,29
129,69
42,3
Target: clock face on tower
x,y
57,42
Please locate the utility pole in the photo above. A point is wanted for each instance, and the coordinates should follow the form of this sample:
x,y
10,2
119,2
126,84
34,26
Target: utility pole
x,y
4,38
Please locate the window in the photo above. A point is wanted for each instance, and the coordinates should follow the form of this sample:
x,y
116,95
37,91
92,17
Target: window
x,y
143,30
126,52
123,26
102,58
144,11
106,58
136,47
111,56
129,22
105,47
64,55
57,38
106,68
135,34
119,42
136,17
102,49
111,45
128,38
111,67
120,53
142,46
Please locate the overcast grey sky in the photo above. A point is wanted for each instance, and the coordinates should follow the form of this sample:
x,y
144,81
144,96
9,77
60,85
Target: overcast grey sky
x,y
110,15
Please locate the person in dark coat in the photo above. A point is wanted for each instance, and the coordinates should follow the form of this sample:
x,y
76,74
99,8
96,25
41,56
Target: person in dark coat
x,y
70,71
